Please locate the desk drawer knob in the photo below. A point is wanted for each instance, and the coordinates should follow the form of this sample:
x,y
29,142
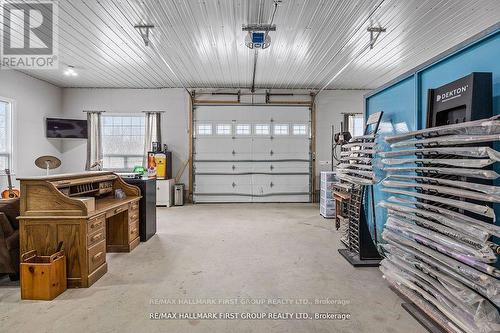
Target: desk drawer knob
x,y
97,256
96,236
95,225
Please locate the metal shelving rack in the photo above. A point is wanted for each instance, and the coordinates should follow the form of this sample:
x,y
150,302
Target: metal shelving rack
x,y
423,310
361,249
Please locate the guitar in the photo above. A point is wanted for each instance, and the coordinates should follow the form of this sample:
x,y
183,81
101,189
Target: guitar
x,y
10,192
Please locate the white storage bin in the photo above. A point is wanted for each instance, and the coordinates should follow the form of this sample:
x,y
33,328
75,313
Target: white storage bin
x,y
326,194
327,212
328,176
329,203
327,185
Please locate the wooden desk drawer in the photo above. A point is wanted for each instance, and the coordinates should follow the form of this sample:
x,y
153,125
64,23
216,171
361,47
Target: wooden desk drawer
x,y
117,210
132,224
96,237
97,256
134,205
133,216
133,231
96,223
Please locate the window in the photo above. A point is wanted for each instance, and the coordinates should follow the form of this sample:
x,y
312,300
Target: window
x,y
262,129
5,135
223,129
299,129
280,129
204,129
355,123
242,129
122,141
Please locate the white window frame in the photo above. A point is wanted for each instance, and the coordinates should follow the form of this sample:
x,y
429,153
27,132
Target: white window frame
x,y
349,119
9,153
296,131
247,131
204,132
258,129
125,157
277,129
224,129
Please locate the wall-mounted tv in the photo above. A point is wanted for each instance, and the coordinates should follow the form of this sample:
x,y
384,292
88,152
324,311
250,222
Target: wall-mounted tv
x,y
66,128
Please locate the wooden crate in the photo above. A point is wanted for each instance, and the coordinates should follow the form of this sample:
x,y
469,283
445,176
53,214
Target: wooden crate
x,y
42,277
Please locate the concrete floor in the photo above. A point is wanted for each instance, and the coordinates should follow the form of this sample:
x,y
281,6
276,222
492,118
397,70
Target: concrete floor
x,y
259,251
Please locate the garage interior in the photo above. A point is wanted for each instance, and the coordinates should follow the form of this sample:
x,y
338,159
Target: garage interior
x,y
250,166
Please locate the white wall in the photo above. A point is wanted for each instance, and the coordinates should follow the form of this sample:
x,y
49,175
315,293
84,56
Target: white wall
x,y
174,121
33,100
330,104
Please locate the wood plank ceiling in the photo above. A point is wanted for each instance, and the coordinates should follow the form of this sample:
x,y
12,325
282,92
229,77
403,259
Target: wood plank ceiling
x,y
203,43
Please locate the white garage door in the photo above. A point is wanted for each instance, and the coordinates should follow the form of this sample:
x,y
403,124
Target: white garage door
x,y
251,154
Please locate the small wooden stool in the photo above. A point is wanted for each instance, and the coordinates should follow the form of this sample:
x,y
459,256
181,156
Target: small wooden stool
x,y
340,199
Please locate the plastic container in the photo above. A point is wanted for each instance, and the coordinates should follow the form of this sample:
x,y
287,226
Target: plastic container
x,y
326,212
327,185
326,194
328,203
328,176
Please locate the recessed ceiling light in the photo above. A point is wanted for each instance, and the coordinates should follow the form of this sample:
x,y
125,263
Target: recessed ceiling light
x,y
70,71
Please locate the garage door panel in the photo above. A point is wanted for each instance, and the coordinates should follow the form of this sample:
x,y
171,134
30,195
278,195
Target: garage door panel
x,y
297,146
223,148
282,198
213,145
223,188
272,184
262,146
242,148
274,156
276,188
281,148
222,156
223,184
222,198
223,167
252,167
281,167
216,144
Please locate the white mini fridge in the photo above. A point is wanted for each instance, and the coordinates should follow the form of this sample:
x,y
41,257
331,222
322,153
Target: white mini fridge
x,y
165,192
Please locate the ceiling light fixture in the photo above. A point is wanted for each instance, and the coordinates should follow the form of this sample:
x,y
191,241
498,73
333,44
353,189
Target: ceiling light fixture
x,y
70,71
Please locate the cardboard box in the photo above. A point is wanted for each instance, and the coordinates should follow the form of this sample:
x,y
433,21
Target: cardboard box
x,y
88,201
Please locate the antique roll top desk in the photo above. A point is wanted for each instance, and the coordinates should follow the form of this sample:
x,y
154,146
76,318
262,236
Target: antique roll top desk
x,y
81,211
